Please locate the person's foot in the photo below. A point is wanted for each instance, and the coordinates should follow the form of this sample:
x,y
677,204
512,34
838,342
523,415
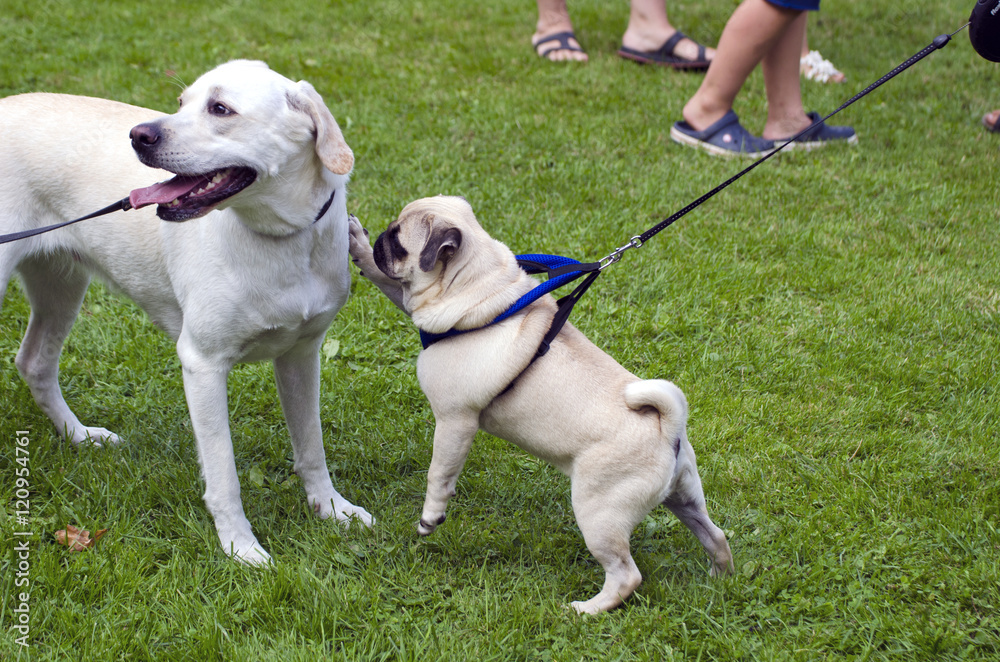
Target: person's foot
x,y
559,47
683,50
820,135
698,116
814,66
781,128
992,121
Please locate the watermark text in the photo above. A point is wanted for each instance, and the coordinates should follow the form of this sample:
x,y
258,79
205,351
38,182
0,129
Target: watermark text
x,y
22,537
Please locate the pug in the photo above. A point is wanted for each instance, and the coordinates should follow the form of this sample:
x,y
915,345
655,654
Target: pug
x,y
621,440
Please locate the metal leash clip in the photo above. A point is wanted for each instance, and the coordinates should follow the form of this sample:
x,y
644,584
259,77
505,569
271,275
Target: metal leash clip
x,y
616,255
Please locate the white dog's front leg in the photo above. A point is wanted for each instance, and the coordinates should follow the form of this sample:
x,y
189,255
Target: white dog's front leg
x,y
297,377
452,440
205,389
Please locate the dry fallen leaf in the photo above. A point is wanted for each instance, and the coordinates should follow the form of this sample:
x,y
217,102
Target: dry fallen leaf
x,y
78,540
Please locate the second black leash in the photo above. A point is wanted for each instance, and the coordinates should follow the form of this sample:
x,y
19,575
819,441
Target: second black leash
x,y
122,205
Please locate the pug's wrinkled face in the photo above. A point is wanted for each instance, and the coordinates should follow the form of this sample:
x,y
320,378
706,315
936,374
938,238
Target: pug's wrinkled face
x,y
415,247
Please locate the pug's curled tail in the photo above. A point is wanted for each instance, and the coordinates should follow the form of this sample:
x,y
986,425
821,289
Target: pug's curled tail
x,y
666,398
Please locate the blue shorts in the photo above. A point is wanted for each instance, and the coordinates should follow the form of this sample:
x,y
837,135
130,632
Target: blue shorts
x,y
801,5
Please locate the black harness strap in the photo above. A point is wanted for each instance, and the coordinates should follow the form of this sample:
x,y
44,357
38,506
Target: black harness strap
x,y
534,267
565,304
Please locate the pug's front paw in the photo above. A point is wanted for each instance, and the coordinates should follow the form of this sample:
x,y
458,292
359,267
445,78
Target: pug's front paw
x,y
425,528
360,249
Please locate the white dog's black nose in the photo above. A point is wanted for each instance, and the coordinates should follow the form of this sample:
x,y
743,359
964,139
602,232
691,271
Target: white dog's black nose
x,y
144,136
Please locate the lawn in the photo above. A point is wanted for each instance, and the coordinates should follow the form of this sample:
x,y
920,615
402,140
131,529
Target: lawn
x,y
833,317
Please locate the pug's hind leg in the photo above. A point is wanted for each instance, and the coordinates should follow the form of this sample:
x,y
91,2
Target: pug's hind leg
x,y
606,529
453,437
695,517
688,503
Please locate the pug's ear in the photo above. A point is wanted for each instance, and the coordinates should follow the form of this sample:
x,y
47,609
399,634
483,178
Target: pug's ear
x,y
441,245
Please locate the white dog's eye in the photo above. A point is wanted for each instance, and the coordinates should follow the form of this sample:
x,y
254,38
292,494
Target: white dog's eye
x,y
220,109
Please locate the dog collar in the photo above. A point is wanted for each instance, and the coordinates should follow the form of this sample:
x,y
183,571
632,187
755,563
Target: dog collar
x,y
560,271
326,207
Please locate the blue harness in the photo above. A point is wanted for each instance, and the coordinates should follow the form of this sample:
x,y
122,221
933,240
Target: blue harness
x,y
560,271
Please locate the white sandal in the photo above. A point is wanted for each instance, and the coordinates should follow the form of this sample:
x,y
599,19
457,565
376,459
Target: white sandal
x,y
815,67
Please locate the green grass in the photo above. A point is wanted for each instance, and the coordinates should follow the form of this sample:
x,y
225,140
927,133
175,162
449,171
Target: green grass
x,y
834,319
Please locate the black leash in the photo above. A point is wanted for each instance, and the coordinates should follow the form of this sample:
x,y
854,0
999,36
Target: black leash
x,y
637,241
121,205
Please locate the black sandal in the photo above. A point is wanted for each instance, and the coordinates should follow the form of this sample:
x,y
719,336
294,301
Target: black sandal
x,y
665,57
564,45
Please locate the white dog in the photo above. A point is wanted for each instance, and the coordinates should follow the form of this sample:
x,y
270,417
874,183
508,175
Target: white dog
x,y
621,440
263,166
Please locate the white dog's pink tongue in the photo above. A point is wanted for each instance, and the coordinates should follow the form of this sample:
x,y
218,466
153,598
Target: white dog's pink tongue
x,y
164,192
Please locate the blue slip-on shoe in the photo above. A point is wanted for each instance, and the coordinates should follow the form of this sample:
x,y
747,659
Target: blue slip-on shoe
x,y
727,137
821,134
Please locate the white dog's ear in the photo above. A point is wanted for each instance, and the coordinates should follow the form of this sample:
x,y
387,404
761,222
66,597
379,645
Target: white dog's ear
x,y
331,147
441,245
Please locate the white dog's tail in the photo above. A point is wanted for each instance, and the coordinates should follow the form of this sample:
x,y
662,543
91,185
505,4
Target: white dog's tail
x,y
666,398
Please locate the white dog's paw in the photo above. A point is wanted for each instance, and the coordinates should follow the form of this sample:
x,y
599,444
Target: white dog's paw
x,y
251,553
426,525
96,437
589,607
343,510
350,512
